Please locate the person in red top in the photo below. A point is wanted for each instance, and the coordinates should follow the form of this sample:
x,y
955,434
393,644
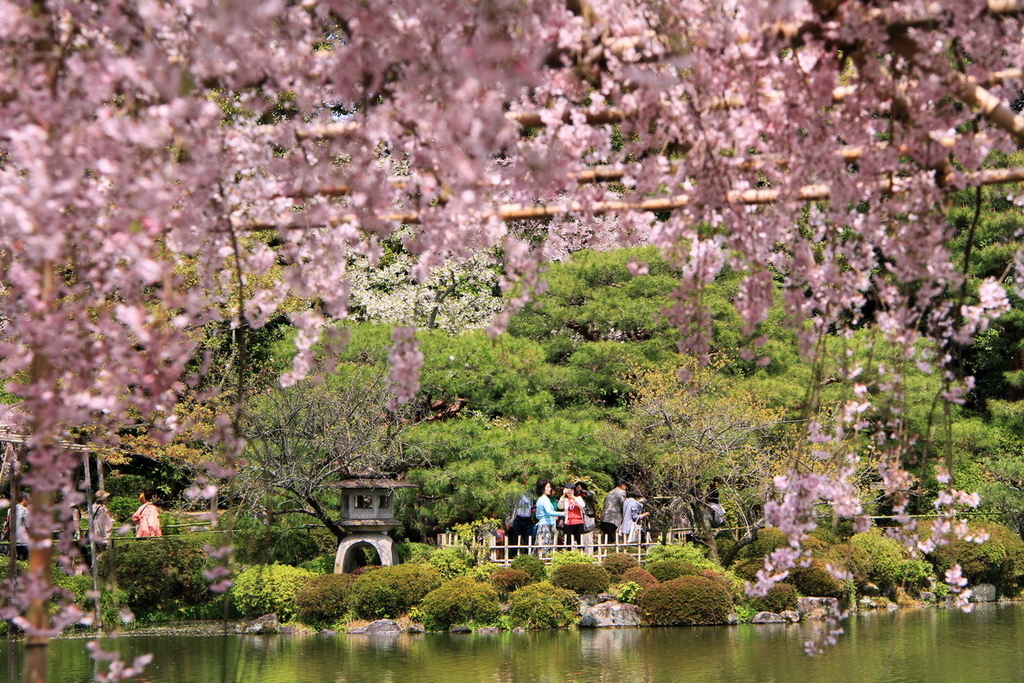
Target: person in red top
x,y
573,506
148,519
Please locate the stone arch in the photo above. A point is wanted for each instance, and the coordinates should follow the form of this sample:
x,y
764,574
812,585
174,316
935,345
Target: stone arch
x,y
382,543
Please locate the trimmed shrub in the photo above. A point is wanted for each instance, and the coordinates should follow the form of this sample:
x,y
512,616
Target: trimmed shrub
x,y
687,552
324,599
617,563
666,570
639,575
815,580
582,579
269,588
533,566
543,605
451,563
561,558
76,589
686,601
999,560
459,601
159,573
390,592
916,573
780,597
505,581
884,559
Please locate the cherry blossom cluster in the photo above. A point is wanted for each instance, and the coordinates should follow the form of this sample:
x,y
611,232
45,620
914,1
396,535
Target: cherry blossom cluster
x,y
165,165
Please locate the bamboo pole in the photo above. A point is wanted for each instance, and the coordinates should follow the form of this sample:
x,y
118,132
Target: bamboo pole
x,y
508,212
1004,6
87,457
966,89
612,172
12,547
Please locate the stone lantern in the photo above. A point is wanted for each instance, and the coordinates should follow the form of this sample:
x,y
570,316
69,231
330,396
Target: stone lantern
x,y
367,514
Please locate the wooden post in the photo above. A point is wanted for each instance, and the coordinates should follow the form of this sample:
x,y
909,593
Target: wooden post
x,y
12,548
40,555
92,541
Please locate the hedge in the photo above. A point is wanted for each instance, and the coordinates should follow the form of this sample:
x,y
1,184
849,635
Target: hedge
x,y
267,588
582,579
159,573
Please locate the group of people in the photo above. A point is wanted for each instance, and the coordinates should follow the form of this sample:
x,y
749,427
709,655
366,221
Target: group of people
x,y
538,521
146,519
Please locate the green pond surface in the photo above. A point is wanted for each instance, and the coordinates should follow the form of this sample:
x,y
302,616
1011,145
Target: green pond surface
x,y
925,645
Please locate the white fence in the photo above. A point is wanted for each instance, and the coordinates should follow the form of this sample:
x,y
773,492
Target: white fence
x,y
594,543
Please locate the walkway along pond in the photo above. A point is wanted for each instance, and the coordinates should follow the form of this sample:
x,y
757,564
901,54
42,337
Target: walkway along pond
x,y
929,645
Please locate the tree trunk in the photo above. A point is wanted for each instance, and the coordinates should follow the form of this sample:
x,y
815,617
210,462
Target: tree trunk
x,y
705,533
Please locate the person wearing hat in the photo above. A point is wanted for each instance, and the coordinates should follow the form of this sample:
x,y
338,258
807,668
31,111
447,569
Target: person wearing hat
x,y
102,523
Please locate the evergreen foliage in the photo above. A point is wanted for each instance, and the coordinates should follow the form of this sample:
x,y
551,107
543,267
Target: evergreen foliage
x,y
324,600
543,605
505,581
267,588
780,597
815,580
686,601
640,576
159,573
390,592
617,563
451,563
459,601
583,579
532,565
999,560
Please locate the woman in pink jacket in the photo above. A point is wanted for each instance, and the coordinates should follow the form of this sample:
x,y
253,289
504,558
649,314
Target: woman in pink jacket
x,y
148,518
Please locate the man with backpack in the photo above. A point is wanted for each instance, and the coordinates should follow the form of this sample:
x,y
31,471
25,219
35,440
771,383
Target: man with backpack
x,y
520,521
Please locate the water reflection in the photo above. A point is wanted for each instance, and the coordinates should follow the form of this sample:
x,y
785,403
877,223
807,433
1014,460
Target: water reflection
x,y
926,646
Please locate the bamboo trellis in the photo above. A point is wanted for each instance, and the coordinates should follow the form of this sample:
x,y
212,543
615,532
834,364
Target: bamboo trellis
x,y
970,90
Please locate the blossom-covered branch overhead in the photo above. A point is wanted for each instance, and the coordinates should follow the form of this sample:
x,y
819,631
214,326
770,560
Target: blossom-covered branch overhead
x,y
140,136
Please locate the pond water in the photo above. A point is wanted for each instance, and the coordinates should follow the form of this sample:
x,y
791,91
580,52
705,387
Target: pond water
x,y
910,646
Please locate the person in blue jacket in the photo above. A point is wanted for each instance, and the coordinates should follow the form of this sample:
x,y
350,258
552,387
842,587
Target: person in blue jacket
x,y
547,517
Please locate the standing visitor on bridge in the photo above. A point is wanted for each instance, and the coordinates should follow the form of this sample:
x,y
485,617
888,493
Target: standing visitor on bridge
x,y
573,505
547,516
632,517
611,514
148,519
520,521
102,524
